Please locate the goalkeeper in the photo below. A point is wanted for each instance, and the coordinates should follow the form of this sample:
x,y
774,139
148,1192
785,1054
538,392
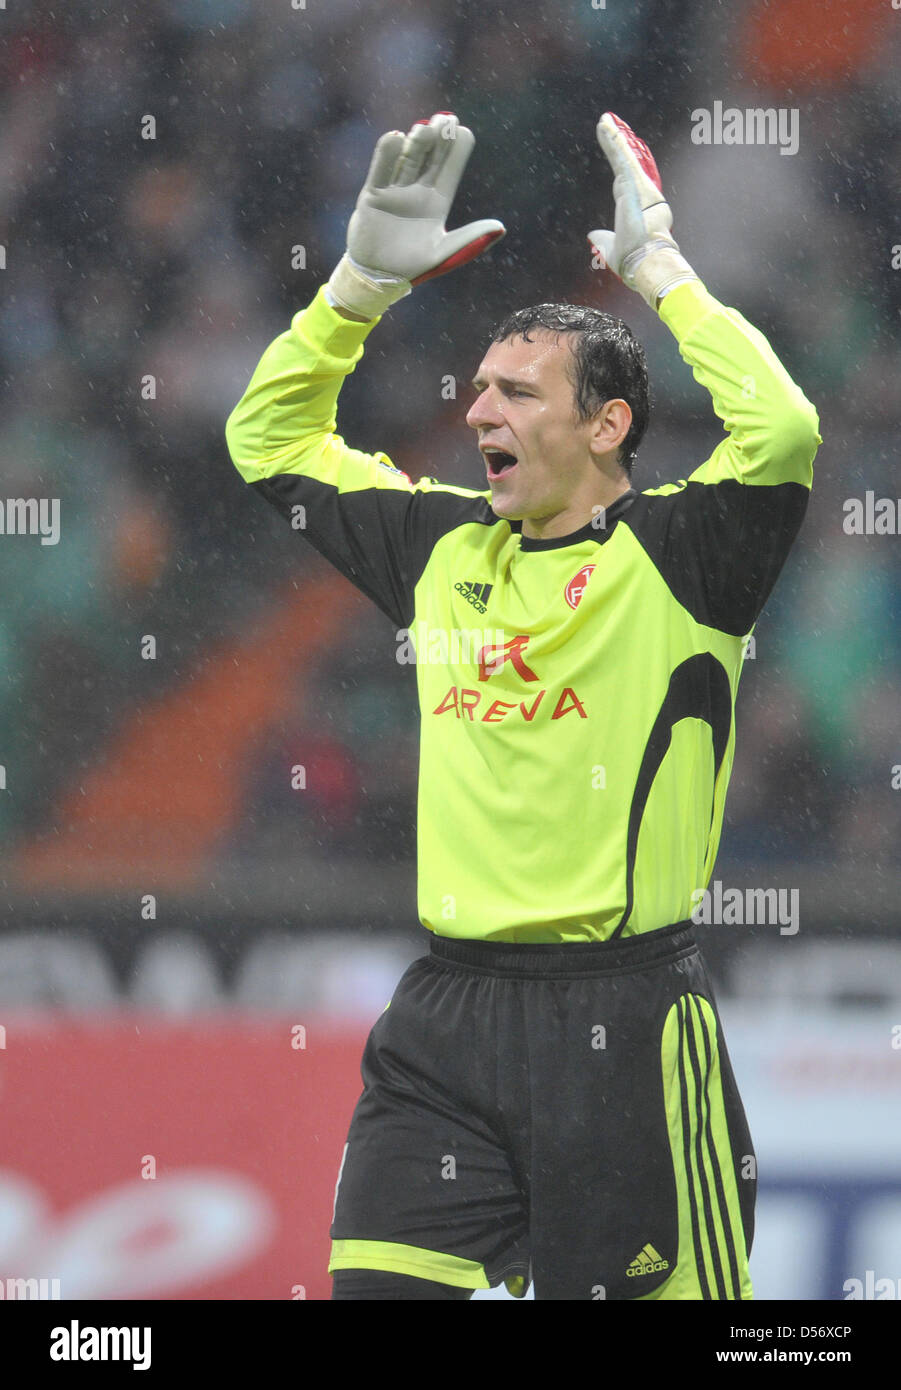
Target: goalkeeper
x,y
548,1097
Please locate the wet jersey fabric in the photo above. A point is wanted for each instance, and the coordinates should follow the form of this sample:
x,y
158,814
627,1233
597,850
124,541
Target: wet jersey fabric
x,y
576,694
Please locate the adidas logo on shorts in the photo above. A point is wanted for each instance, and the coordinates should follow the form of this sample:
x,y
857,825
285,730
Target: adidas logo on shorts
x,y
647,1261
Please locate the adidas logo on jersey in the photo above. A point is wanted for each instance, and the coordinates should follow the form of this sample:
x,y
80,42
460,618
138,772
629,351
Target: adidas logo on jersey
x,y
476,594
647,1261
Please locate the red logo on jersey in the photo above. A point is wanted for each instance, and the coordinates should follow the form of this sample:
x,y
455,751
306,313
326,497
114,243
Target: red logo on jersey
x,y
492,658
576,586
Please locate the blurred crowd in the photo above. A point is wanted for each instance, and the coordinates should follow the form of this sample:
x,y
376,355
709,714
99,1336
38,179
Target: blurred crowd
x,y
162,163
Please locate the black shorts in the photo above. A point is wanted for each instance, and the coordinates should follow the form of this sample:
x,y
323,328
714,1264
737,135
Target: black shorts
x,y
561,1114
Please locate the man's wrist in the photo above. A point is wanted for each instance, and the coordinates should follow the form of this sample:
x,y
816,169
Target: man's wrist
x,y
340,309
673,284
364,292
656,269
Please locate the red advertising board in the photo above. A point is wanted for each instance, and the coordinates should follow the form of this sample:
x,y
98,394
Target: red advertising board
x,y
143,1158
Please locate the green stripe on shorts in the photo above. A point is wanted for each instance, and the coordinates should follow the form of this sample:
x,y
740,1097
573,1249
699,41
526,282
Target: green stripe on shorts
x,y
408,1259
712,1261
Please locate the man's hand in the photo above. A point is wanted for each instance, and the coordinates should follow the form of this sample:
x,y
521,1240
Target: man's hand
x,y
396,237
640,250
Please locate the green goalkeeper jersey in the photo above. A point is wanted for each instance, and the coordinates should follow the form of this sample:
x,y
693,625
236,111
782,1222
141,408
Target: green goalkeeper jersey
x,y
577,694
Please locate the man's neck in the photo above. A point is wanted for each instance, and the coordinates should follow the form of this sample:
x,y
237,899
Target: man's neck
x,y
574,518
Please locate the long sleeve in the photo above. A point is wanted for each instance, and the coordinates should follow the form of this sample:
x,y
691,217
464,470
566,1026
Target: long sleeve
x,y
360,512
773,428
721,536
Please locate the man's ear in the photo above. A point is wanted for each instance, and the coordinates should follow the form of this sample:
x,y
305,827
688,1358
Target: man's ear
x,y
611,425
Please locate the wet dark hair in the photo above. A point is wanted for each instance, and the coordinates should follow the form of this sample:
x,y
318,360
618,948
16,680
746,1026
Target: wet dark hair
x,y
608,362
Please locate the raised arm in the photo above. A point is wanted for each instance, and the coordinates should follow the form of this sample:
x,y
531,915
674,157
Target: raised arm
x,y
721,536
358,510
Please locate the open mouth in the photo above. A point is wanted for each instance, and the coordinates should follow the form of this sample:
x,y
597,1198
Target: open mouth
x,y
499,462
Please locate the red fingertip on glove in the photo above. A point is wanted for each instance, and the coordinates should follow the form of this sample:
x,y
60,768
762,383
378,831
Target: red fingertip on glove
x,y
639,148
466,253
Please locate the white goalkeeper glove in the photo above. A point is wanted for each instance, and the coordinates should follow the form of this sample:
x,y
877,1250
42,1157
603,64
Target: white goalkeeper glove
x,y
640,250
396,237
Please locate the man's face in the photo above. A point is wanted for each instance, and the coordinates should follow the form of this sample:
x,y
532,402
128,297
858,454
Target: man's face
x,y
526,406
